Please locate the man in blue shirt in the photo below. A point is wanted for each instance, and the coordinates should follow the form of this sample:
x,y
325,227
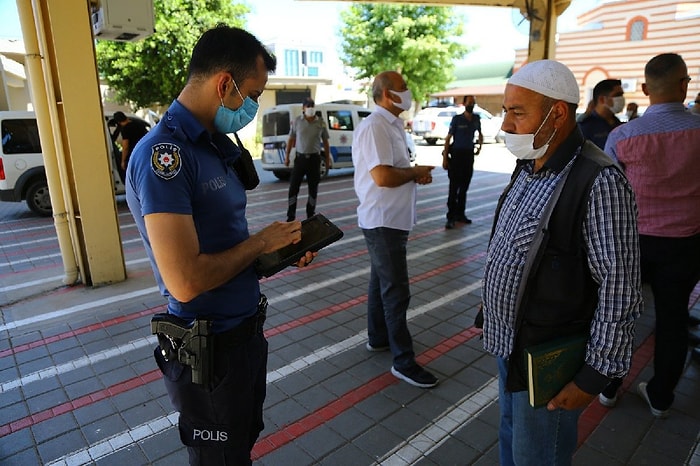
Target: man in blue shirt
x,y
185,190
608,100
458,160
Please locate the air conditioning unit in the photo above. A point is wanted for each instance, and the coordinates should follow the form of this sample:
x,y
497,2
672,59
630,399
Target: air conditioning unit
x,y
122,20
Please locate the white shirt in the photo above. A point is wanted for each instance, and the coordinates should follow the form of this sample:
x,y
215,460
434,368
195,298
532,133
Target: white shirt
x,y
379,140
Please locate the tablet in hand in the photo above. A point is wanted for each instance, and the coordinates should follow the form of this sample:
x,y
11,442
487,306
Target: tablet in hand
x,y
317,232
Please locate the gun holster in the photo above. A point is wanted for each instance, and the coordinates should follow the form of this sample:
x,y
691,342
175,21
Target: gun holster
x,y
191,344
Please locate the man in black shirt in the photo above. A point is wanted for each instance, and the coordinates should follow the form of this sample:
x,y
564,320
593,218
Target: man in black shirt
x,y
131,131
608,100
458,159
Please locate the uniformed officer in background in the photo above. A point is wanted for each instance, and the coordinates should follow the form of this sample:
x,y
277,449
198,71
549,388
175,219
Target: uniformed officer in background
x,y
306,135
187,195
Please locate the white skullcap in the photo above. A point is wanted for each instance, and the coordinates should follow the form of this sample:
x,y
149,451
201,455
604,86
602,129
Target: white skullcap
x,y
549,78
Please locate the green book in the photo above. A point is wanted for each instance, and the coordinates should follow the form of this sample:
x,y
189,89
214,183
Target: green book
x,y
551,365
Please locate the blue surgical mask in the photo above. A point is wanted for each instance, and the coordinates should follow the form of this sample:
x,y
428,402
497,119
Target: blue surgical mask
x,y
230,121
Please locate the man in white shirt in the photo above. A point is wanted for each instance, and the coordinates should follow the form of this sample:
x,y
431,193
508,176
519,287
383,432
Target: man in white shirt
x,y
385,183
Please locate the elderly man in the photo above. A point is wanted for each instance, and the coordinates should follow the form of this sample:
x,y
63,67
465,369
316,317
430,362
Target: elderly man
x,y
563,260
385,183
659,153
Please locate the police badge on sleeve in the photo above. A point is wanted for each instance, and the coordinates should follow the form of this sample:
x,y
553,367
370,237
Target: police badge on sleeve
x,y
166,160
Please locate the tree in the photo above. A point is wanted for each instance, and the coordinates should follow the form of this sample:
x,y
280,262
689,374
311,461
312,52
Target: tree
x,y
154,70
417,41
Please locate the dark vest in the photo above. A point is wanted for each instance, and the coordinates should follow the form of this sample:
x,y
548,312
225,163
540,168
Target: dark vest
x,y
560,297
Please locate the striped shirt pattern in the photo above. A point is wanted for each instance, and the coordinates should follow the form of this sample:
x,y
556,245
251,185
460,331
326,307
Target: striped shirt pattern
x,y
610,236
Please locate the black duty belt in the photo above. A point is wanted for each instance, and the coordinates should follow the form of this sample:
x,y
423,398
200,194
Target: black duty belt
x,y
252,325
193,343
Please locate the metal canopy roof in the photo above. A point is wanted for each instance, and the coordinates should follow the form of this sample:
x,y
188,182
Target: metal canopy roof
x,y
541,13
559,5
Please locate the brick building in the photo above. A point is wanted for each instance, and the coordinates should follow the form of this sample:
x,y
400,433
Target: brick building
x,y
615,40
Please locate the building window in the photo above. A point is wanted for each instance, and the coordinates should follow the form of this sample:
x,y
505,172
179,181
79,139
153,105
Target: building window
x,y
340,119
291,63
316,57
302,62
637,29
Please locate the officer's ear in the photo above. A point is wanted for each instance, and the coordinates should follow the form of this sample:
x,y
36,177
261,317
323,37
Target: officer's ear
x,y
223,85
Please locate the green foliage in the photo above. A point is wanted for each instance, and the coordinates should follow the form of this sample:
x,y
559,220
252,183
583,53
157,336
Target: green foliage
x,y
417,41
154,70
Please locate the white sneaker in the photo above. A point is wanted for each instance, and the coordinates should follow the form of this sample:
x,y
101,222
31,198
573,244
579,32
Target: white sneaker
x,y
607,402
642,390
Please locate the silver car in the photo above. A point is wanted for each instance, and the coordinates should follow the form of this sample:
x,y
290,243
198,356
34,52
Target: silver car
x,y
433,123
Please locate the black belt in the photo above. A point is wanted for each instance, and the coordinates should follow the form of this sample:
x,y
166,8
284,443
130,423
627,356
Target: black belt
x,y
309,154
252,325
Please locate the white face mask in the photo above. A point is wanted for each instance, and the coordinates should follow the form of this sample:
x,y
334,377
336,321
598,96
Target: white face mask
x,y
618,104
310,111
406,99
522,145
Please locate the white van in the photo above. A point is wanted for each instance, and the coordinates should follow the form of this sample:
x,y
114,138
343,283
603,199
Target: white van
x,y
22,174
340,119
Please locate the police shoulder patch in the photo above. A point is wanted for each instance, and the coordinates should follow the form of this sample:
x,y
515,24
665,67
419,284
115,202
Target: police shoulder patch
x,y
166,160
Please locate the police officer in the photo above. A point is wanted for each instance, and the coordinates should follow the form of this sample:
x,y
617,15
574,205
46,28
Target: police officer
x,y
188,201
306,133
458,159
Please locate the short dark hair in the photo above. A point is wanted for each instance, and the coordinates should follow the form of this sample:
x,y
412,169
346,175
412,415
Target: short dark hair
x,y
119,117
229,49
309,102
464,99
605,87
660,72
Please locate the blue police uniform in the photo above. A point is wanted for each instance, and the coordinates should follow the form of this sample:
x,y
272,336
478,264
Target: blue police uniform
x,y
596,128
180,168
461,163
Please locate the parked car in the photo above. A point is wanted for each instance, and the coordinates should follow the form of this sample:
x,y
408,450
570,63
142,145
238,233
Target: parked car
x,y
412,154
22,174
433,123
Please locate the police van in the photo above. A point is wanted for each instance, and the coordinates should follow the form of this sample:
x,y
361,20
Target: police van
x,y
340,119
22,173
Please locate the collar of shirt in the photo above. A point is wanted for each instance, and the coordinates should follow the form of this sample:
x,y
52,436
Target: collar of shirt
x,y
595,118
181,118
670,107
390,117
565,152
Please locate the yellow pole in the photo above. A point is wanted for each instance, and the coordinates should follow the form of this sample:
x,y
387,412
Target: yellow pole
x,y
30,20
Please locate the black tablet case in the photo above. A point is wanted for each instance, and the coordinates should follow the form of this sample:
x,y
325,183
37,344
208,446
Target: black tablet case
x,y
316,232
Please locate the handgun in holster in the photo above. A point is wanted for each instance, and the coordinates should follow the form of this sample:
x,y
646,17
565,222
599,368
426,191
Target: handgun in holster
x,y
190,344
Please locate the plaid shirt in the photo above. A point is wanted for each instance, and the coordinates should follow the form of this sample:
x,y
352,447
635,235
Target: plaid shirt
x,y
612,243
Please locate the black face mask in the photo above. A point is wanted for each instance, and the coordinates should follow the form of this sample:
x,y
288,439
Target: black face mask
x,y
469,108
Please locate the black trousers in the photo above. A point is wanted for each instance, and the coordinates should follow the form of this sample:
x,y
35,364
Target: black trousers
x,y
220,424
308,165
671,266
460,169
